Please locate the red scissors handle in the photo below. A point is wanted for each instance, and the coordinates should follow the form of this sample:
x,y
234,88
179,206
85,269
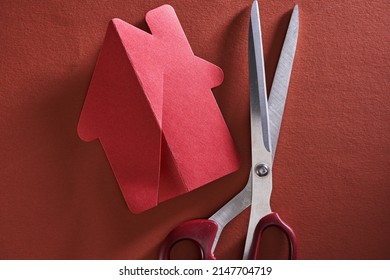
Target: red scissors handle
x,y
269,220
201,231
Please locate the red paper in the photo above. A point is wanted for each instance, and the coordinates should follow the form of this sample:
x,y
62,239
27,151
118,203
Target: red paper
x,y
150,104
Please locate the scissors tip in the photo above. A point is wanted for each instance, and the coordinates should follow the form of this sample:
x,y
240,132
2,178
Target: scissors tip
x,y
255,9
295,8
295,15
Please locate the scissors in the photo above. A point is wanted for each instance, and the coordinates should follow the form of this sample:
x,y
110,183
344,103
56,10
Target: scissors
x,y
266,117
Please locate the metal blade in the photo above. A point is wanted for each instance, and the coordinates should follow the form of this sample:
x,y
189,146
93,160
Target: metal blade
x,y
258,91
261,180
278,94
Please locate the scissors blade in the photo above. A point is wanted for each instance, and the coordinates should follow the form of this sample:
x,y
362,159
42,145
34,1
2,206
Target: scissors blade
x,y
279,89
260,138
261,179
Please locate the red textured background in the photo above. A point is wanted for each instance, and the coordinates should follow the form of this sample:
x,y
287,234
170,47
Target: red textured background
x,y
59,198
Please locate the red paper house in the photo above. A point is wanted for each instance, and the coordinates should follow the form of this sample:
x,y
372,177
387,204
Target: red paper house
x,y
150,105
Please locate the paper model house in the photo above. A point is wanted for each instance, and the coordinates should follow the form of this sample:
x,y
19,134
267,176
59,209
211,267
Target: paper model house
x,y
150,104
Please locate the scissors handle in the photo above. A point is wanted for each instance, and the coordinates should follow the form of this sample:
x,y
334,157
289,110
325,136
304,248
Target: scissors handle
x,y
201,231
273,219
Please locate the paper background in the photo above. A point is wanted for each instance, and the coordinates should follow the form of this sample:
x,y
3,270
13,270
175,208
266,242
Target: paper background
x,y
59,198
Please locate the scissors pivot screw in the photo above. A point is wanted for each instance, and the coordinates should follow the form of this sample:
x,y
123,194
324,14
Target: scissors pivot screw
x,y
261,170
